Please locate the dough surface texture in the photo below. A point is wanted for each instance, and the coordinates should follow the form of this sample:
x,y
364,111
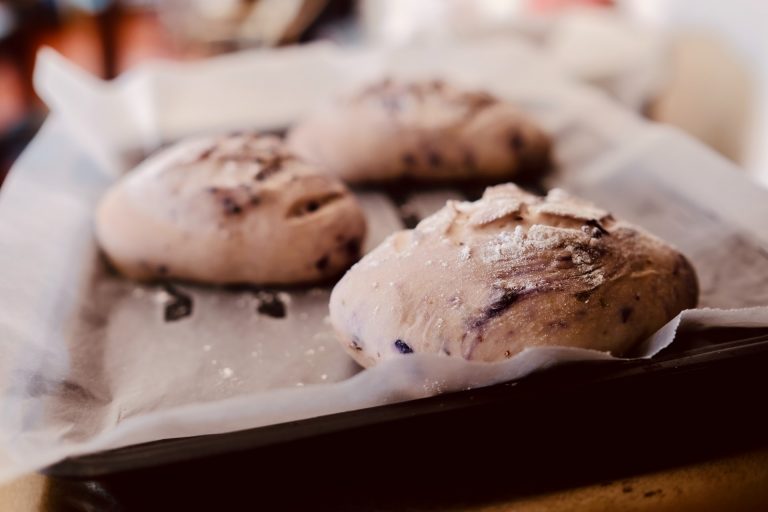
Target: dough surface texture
x,y
425,131
483,280
231,209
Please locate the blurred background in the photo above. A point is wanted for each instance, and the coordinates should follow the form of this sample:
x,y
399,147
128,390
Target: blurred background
x,y
701,65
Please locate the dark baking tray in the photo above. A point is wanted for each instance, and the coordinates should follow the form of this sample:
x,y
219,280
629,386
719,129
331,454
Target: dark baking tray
x,y
570,425
574,424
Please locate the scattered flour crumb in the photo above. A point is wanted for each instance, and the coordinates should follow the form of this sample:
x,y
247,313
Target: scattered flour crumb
x,y
161,297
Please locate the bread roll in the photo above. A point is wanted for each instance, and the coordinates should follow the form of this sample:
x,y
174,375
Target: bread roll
x,y
484,280
423,131
233,209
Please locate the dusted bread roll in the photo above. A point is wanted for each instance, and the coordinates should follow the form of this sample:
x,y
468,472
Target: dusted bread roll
x,y
425,131
233,209
485,280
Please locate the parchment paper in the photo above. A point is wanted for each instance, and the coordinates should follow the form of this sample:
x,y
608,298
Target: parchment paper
x,y
87,362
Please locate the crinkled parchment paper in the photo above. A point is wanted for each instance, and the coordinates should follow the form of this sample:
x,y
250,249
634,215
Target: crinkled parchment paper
x,y
87,361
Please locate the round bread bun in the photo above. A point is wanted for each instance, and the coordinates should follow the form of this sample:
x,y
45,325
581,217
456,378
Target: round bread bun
x,y
231,209
483,280
423,131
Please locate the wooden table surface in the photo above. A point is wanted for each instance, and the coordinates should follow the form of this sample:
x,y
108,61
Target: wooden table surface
x,y
735,483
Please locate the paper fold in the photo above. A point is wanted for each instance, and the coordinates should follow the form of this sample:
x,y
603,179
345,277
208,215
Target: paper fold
x,y
86,362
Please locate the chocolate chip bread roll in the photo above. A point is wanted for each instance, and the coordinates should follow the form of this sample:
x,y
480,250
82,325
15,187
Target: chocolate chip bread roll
x,y
424,131
233,209
484,280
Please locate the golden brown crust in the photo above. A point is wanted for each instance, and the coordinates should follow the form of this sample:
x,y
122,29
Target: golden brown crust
x,y
424,131
234,209
484,280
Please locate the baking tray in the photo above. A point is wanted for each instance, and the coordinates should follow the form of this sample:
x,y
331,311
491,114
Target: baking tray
x,y
574,424
577,423
558,415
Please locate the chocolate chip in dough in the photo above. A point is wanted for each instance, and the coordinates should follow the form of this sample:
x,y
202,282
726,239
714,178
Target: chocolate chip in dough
x,y
230,206
322,263
403,347
434,159
516,141
597,229
178,306
352,247
271,305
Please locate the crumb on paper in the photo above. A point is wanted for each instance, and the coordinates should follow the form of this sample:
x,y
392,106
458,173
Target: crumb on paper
x,y
316,292
161,297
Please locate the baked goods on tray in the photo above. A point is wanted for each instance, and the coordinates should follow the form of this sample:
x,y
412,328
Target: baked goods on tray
x,y
232,209
483,280
428,131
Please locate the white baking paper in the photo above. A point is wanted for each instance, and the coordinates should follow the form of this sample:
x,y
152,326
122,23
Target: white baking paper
x,y
87,362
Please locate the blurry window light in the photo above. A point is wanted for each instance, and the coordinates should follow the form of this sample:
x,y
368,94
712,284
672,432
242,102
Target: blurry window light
x,y
267,21
217,9
401,21
497,9
7,21
93,6
651,12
